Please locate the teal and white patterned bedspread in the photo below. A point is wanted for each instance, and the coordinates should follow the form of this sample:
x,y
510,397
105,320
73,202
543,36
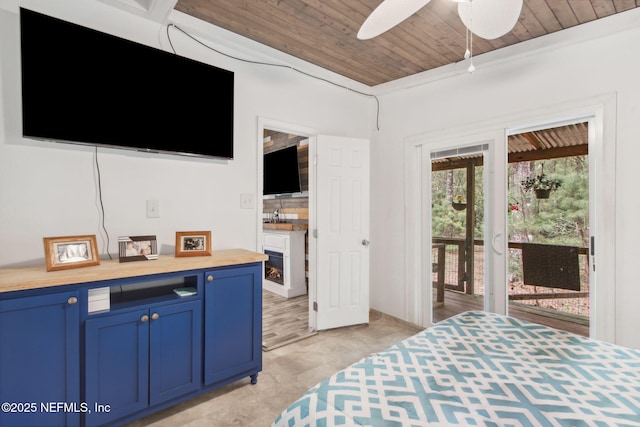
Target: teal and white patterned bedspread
x,y
480,369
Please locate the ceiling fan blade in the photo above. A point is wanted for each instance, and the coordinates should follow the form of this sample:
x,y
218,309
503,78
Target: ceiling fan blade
x,y
490,19
387,15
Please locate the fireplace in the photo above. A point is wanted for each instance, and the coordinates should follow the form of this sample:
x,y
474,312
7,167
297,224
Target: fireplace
x,y
284,271
274,267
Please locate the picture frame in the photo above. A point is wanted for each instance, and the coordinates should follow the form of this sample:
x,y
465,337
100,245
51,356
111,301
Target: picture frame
x,y
137,248
65,252
193,243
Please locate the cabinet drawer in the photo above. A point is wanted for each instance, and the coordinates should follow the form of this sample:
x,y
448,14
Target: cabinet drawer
x,y
276,241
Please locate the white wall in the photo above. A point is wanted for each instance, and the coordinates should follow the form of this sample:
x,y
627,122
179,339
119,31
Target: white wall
x,y
50,189
550,77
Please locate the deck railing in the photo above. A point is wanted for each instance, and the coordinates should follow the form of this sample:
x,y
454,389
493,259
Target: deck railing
x,y
456,278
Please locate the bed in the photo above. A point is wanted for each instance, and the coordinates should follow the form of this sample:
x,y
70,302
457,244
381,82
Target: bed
x,y
480,369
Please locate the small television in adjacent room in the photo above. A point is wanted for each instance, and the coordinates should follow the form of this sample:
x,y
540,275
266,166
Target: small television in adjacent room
x,y
83,86
281,172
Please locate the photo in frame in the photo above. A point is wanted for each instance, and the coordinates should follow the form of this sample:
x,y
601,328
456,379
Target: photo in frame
x,y
193,243
137,248
66,252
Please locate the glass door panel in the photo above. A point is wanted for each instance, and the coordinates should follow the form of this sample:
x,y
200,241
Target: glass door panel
x,y
457,230
548,264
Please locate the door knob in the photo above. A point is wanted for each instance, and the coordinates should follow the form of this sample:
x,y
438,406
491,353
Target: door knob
x,y
155,316
365,242
144,318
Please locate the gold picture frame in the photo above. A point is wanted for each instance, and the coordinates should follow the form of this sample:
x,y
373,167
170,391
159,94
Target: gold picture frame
x,y
193,243
64,252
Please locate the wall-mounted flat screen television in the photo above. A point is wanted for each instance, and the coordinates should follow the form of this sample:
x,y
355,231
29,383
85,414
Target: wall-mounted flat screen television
x,y
281,172
83,86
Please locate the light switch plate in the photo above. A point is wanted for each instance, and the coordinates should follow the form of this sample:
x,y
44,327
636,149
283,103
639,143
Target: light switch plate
x,y
153,209
247,201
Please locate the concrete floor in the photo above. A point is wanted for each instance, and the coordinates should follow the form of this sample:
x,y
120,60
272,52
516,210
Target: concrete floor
x,y
287,372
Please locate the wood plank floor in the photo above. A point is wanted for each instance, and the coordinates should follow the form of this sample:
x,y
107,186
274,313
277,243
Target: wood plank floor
x,y
284,320
456,302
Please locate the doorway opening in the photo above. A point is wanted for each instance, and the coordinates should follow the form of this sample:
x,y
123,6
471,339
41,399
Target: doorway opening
x,y
285,222
336,171
457,232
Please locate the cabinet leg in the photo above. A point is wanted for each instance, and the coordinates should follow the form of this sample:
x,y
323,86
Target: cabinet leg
x,y
254,379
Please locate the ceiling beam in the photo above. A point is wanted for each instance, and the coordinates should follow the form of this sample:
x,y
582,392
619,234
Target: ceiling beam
x,y
525,156
549,153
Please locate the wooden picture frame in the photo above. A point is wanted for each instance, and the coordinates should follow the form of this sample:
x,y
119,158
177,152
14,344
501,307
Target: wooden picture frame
x,y
193,243
137,248
64,252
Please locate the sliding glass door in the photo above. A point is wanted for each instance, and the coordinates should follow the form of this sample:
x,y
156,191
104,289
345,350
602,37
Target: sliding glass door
x,y
457,234
466,229
549,227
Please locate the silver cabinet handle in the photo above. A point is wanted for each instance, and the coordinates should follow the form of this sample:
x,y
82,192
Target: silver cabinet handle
x,y
365,242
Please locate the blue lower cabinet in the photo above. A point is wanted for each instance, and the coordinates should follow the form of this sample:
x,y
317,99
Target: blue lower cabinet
x,y
39,360
141,358
116,365
64,363
175,359
233,324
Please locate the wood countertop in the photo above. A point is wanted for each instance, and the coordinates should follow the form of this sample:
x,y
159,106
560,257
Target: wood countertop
x,y
24,278
285,226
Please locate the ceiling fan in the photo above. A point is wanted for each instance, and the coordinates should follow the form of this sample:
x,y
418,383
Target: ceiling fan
x,y
488,19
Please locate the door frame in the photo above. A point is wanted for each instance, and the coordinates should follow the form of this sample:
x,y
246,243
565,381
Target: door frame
x,y
600,112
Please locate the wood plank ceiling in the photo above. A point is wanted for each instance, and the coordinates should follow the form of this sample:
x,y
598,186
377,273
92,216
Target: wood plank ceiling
x,y
323,32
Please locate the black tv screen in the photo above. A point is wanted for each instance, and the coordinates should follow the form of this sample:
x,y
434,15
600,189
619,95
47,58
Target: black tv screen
x,y
281,172
83,86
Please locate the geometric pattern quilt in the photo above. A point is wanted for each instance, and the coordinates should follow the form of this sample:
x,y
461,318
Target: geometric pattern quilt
x,y
480,369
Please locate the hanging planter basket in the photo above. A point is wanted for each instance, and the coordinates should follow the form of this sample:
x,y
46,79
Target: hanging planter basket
x,y
459,206
542,193
541,185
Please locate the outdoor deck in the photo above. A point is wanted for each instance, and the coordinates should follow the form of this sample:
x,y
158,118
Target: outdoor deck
x,y
457,302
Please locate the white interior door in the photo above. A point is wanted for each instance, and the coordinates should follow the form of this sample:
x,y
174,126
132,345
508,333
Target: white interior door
x,y
341,231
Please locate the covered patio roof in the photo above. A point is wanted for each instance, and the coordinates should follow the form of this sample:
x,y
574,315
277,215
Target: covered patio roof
x,y
552,143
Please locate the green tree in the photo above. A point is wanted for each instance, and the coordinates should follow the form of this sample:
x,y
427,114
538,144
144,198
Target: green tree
x,y
563,218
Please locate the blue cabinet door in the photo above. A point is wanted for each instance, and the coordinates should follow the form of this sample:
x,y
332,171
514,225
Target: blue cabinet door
x,y
39,360
140,358
175,350
233,323
117,365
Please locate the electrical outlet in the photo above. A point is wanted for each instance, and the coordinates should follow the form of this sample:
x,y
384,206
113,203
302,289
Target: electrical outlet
x,y
246,201
153,209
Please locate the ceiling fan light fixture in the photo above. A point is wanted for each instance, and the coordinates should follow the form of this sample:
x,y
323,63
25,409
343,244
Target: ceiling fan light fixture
x,y
491,18
387,15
